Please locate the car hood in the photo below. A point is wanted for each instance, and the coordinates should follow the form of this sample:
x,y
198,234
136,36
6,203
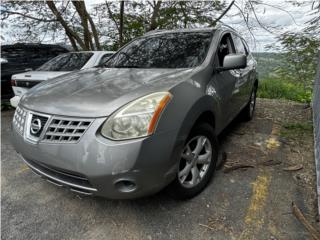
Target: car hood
x,y
37,75
98,92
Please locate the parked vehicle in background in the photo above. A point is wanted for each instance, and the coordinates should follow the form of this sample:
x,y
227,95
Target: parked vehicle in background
x,y
60,65
17,58
146,119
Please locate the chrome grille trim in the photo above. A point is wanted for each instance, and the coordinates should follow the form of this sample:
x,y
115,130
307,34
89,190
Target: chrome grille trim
x,y
65,130
55,129
27,132
19,120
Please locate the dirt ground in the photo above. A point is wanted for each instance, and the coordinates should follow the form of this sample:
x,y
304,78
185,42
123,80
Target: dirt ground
x,y
269,165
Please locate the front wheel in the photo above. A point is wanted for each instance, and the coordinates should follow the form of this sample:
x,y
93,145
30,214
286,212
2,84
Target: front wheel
x,y
197,163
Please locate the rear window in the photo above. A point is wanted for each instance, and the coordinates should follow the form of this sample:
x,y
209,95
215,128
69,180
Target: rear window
x,y
13,53
16,52
66,62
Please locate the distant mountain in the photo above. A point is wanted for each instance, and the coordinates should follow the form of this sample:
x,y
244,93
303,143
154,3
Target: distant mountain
x,y
267,62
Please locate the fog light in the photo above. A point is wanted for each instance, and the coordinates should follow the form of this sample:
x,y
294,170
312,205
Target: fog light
x,y
126,186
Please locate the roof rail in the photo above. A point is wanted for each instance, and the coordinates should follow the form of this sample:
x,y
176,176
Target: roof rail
x,y
155,31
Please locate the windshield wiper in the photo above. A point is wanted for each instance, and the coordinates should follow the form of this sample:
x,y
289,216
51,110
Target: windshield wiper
x,y
117,66
126,66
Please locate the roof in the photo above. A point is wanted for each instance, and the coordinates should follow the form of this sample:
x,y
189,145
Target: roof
x,y
160,31
38,45
111,52
208,29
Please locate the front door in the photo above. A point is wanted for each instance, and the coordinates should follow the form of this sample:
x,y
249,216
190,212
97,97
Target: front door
x,y
226,83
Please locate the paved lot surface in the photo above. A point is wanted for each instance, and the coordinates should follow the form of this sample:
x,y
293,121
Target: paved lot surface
x,y
247,203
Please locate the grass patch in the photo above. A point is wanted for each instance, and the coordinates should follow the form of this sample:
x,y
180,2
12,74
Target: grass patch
x,y
296,130
280,89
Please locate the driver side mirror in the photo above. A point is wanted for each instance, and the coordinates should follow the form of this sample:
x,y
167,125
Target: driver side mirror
x,y
28,69
233,61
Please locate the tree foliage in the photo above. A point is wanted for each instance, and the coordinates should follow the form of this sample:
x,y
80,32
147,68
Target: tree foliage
x,y
56,20
106,25
300,55
140,17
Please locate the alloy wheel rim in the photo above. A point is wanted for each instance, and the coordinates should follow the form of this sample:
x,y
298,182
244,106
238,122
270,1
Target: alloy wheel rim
x,y
195,161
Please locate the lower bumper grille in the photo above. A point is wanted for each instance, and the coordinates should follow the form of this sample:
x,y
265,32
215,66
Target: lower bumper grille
x,y
76,182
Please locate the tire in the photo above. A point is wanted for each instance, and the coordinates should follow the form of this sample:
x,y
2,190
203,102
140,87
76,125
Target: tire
x,y
248,111
187,185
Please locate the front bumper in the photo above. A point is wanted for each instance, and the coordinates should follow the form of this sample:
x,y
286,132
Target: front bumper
x,y
98,166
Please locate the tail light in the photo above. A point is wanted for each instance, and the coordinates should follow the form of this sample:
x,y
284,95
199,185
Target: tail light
x,y
13,82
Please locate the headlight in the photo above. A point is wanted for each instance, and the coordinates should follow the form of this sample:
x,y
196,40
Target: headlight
x,y
137,119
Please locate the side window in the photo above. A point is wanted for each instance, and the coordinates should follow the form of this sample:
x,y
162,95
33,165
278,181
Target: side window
x,y
225,47
239,44
105,57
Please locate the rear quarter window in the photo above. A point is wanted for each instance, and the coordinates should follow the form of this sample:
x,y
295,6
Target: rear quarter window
x,y
240,48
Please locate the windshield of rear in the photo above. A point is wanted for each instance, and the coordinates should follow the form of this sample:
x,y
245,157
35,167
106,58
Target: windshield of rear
x,y
66,62
170,50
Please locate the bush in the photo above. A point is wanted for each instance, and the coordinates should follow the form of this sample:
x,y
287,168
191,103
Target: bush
x,y
280,89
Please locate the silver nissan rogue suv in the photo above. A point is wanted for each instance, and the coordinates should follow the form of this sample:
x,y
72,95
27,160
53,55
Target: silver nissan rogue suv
x,y
146,119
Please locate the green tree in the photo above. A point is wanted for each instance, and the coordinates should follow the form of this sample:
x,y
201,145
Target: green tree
x,y
300,55
36,21
141,17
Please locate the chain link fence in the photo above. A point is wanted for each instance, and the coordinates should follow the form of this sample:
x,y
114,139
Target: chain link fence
x,y
316,123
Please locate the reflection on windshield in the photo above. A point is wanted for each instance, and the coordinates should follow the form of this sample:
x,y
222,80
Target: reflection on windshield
x,y
66,62
170,50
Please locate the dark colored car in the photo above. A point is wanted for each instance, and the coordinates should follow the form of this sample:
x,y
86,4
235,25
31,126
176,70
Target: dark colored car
x,y
20,57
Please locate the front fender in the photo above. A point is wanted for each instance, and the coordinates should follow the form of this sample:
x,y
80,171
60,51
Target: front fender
x,y
188,103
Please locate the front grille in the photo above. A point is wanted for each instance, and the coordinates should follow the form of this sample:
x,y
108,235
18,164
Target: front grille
x,y
40,127
43,120
26,84
65,130
57,175
19,119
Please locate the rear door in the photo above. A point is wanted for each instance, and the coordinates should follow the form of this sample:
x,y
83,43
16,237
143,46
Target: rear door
x,y
243,84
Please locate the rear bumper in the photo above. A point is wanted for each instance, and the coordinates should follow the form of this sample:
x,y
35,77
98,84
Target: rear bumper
x,y
98,166
15,101
19,91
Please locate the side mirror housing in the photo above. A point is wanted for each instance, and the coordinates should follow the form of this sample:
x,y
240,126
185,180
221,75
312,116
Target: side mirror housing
x,y
28,69
233,61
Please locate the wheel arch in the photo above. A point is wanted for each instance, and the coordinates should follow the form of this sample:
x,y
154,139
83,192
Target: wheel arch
x,y
203,110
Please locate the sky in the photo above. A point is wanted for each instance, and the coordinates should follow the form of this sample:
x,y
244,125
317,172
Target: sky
x,y
292,20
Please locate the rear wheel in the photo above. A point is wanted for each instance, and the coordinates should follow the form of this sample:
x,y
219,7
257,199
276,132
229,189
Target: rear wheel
x,y
197,163
248,111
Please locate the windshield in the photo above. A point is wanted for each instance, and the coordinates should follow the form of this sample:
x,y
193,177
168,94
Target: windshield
x,y
66,62
170,50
